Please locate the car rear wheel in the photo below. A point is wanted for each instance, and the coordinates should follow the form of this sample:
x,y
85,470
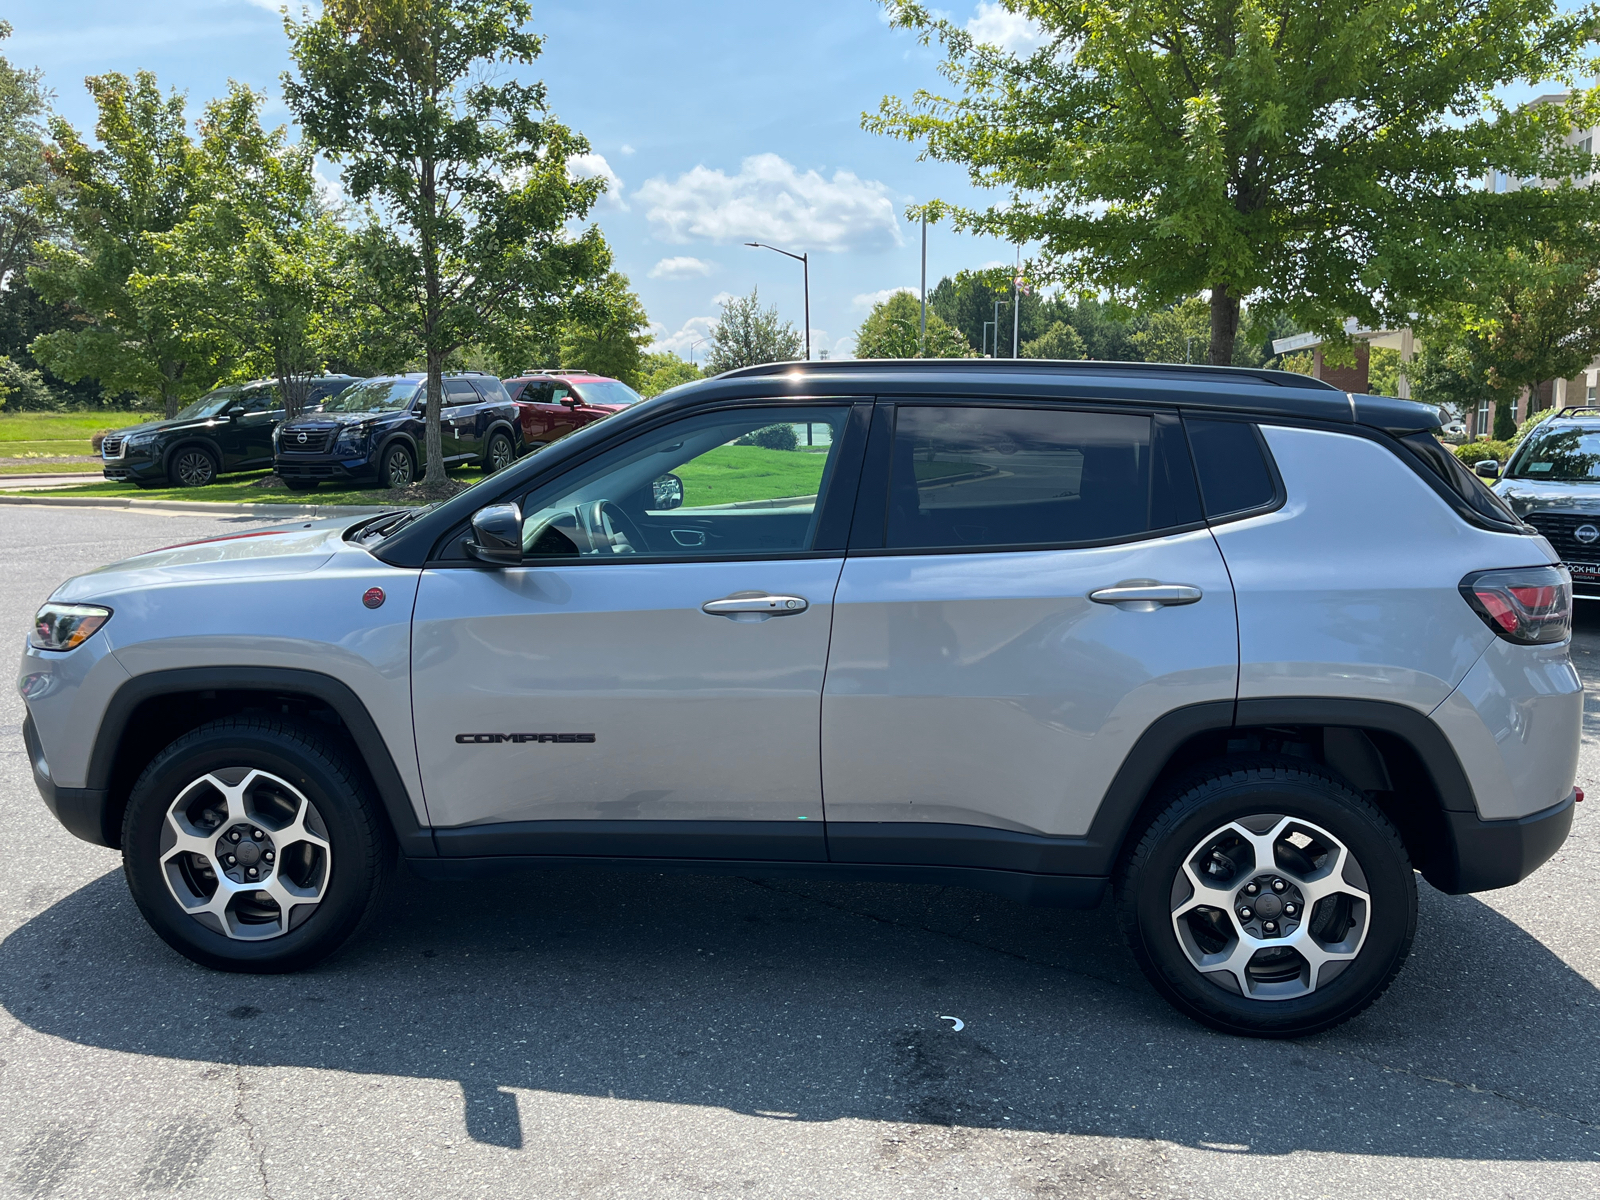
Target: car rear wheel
x,y
192,467
398,469
498,454
1269,899
255,844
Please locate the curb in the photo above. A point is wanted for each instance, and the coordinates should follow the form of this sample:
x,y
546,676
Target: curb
x,y
287,511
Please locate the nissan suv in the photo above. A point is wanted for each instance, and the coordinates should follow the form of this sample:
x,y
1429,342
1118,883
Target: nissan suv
x,y
1552,481
228,429
1040,628
375,433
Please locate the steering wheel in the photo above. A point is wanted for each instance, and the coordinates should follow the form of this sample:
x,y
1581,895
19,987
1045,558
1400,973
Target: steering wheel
x,y
609,529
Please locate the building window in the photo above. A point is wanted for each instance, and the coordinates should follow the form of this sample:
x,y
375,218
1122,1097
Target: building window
x,y
1480,419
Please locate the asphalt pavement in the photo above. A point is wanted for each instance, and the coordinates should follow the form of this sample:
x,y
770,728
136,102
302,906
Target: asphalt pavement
x,y
577,1033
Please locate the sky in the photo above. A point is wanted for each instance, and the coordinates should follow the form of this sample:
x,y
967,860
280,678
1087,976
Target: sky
x,y
716,125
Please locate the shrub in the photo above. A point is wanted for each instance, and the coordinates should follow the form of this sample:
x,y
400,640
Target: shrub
x,y
773,437
1476,452
22,390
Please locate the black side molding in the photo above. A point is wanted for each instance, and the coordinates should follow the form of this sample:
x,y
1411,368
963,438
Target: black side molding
x,y
779,841
415,841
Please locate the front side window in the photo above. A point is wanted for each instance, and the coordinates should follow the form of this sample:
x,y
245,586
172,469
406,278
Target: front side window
x,y
1014,477
735,482
210,404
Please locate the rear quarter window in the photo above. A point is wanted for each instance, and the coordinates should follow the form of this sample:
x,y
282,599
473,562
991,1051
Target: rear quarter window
x,y
1236,475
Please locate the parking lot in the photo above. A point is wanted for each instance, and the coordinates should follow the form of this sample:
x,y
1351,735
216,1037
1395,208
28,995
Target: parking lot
x,y
577,1033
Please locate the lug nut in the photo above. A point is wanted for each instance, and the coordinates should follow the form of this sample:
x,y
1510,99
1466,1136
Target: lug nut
x,y
1251,889
251,871
1269,926
234,836
258,835
231,860
268,856
1244,914
1278,885
1289,908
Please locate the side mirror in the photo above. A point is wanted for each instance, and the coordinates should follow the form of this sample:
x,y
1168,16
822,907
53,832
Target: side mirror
x,y
570,400
497,535
1487,469
666,492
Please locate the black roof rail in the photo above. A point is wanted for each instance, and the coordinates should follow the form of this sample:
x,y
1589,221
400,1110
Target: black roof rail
x,y
1582,410
1032,366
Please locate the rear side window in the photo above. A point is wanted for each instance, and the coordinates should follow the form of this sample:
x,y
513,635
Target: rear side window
x,y
459,391
493,391
985,477
1235,476
1464,489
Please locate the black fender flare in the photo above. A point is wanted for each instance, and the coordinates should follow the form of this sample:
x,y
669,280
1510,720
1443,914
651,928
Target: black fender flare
x,y
415,840
406,440
514,431
184,443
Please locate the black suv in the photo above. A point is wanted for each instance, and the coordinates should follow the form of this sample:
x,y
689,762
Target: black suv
x,y
375,432
228,429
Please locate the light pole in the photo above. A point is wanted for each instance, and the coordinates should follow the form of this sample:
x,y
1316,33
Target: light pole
x,y
692,345
922,337
805,266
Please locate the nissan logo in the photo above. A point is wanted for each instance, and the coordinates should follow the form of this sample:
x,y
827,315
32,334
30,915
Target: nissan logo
x,y
302,440
1586,534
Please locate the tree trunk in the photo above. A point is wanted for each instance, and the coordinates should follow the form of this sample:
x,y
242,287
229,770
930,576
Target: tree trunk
x,y
1224,325
434,440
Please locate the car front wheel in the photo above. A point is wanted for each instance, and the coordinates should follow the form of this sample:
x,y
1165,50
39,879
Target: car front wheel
x,y
1270,899
398,469
192,467
255,844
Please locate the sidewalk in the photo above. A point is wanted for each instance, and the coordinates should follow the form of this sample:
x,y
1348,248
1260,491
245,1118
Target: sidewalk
x,y
288,512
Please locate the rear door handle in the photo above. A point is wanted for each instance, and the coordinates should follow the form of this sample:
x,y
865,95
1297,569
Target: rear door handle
x,y
1141,595
755,606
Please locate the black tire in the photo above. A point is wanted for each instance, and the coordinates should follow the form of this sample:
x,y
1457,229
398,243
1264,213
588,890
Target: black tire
x,y
360,844
397,469
1152,886
301,485
192,466
498,454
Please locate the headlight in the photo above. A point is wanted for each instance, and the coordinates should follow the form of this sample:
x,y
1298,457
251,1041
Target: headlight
x,y
352,437
138,439
66,626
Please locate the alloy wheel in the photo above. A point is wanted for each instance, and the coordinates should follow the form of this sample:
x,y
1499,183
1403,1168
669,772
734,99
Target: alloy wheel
x,y
1270,907
194,468
397,468
245,853
500,452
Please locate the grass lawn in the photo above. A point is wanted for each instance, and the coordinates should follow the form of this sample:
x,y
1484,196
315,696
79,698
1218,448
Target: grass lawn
x,y
730,474
56,435
27,466
241,489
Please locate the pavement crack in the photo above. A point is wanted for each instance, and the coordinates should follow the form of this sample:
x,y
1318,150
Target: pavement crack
x,y
944,933
1473,1089
243,1119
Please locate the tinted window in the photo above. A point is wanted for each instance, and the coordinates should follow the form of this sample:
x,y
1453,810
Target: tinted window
x,y
492,391
965,477
1232,464
459,391
742,481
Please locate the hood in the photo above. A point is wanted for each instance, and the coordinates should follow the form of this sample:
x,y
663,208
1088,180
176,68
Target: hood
x,y
160,423
285,550
1534,495
323,421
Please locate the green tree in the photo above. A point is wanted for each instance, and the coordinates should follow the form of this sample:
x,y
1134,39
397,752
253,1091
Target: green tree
x,y
893,329
23,172
1176,334
1060,341
747,334
1325,160
663,370
255,258
113,202
607,331
464,162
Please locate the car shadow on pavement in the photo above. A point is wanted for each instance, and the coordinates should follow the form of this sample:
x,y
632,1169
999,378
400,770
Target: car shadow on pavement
x,y
816,1002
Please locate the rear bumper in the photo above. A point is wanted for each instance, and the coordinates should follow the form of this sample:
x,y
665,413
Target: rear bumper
x,y
1497,854
84,812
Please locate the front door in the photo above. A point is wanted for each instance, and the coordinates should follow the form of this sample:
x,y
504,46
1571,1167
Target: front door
x,y
648,682
1040,588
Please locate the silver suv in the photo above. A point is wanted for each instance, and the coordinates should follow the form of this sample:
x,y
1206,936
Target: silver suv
x,y
1248,650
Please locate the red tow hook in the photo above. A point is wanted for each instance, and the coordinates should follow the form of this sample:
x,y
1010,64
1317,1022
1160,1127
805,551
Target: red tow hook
x,y
1577,795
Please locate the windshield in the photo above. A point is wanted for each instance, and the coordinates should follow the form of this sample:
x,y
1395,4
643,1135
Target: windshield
x,y
1567,455
210,404
373,395
606,391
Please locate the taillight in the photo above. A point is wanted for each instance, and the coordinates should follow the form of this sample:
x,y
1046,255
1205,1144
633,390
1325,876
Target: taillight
x,y
1527,605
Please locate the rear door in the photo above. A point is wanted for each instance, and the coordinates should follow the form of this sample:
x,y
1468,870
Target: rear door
x,y
625,691
1028,589
459,420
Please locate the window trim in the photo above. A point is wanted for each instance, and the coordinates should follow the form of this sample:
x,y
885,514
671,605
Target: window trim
x,y
841,493
868,538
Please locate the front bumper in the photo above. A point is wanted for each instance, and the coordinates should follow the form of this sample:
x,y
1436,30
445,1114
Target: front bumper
x,y
85,812
1496,854
128,470
324,469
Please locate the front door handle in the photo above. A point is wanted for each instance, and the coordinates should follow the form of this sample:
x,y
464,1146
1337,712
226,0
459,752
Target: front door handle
x,y
1146,595
755,606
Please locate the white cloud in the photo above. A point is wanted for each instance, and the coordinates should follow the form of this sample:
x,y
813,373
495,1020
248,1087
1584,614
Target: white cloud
x,y
625,148
681,267
595,166
682,342
873,299
722,298
1014,33
770,200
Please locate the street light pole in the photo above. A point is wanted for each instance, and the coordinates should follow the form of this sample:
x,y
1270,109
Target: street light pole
x,y
805,266
922,337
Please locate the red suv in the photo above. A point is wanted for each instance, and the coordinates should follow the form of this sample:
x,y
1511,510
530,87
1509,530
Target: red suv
x,y
551,404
